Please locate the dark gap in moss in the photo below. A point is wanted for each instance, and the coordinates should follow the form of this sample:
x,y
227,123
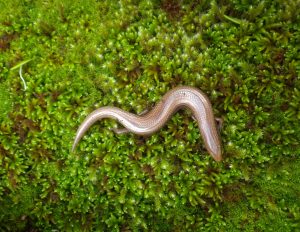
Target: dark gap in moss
x,y
62,13
3,151
172,8
136,156
146,168
41,99
7,23
42,154
233,193
6,39
23,125
56,58
46,28
12,179
54,95
202,5
175,81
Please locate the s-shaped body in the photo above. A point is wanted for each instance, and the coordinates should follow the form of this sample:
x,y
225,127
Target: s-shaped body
x,y
147,124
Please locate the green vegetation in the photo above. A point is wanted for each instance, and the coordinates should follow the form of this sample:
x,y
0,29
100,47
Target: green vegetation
x,y
86,54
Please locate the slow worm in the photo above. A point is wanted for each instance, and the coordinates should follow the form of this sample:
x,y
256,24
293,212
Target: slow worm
x,y
147,124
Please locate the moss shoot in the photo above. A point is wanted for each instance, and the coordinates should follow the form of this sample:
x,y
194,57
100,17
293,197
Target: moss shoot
x,y
128,54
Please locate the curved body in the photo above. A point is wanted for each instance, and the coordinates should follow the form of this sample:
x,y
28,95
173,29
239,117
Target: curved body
x,y
172,101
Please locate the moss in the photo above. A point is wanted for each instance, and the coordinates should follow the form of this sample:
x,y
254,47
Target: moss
x,y
6,100
269,201
88,54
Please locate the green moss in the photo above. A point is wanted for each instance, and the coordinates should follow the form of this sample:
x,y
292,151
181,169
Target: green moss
x,y
88,54
269,201
6,101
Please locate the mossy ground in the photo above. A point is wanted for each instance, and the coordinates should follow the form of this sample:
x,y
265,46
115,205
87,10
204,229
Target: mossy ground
x,y
87,54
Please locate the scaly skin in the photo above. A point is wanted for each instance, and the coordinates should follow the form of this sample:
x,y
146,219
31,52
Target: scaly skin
x,y
147,124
